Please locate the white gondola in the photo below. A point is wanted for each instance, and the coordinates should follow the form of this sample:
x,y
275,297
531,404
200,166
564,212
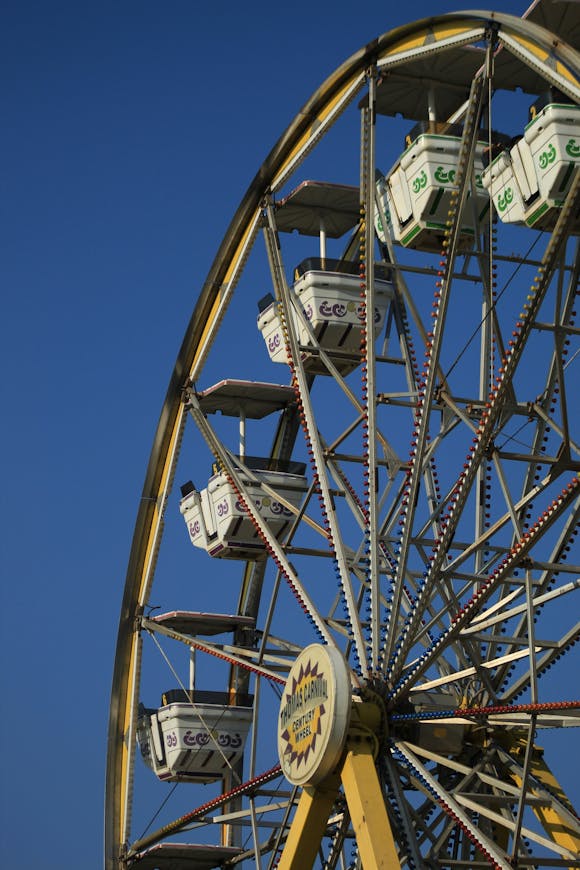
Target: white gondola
x,y
199,739
415,196
529,182
186,856
218,522
196,735
216,517
329,314
332,315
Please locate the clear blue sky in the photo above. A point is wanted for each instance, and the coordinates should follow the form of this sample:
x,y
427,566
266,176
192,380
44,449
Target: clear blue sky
x,y
131,130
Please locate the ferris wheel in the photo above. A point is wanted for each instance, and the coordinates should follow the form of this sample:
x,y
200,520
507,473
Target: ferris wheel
x,y
337,625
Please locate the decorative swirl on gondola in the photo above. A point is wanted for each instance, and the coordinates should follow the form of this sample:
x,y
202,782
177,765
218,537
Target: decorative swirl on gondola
x,y
326,309
201,739
444,176
547,157
505,198
420,182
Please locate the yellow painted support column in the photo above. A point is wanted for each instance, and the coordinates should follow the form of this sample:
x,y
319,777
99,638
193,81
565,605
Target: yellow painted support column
x,y
556,826
309,825
367,808
553,823
364,796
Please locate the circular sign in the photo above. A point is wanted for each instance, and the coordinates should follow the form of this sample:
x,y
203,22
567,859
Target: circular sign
x,y
314,715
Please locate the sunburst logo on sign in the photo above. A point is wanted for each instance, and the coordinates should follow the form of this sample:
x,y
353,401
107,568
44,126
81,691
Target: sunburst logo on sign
x,y
314,715
302,713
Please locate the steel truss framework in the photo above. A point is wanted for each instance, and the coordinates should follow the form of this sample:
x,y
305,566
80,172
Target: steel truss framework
x,y
434,544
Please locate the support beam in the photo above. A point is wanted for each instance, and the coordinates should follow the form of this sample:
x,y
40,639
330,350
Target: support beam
x,y
556,822
367,809
309,825
366,803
